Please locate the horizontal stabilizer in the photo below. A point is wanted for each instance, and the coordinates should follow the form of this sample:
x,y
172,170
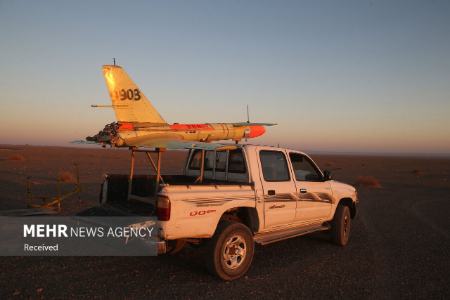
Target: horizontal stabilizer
x,y
241,124
108,106
83,142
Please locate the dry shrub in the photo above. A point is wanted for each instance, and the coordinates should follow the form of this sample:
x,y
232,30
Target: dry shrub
x,y
368,181
417,172
68,177
16,157
41,181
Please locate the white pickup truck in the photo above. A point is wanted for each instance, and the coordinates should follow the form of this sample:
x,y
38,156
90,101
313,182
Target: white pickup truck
x,y
231,199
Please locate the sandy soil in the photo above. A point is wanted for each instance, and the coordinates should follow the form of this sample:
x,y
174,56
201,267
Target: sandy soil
x,y
45,165
399,247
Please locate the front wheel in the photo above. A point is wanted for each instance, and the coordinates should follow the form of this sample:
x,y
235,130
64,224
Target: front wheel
x,y
340,227
230,251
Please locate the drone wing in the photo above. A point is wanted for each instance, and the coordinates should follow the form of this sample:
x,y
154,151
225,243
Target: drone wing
x,y
175,144
242,124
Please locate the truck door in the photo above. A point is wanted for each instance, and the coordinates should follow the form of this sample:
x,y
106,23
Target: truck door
x,y
278,188
314,194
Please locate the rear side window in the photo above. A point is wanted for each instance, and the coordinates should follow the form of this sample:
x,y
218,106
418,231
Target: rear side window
x,y
196,160
274,166
221,161
209,160
236,162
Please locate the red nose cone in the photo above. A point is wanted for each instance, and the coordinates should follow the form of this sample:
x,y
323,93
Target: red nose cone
x,y
256,131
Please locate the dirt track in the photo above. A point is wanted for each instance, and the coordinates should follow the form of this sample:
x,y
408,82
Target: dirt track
x,y
400,246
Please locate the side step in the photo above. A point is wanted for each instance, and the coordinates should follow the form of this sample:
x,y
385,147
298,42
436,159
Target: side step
x,y
275,236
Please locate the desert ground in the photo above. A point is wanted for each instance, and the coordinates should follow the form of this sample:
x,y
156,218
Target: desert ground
x,y
400,244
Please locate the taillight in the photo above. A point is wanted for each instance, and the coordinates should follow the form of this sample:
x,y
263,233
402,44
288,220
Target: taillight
x,y
163,208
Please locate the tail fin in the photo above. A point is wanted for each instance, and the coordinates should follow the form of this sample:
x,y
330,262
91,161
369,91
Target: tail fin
x,y
129,103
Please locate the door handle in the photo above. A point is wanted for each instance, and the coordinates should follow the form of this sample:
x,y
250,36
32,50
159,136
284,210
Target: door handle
x,y
303,190
277,206
271,192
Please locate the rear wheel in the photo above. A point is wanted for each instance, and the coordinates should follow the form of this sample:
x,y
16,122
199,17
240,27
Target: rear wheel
x,y
341,224
230,251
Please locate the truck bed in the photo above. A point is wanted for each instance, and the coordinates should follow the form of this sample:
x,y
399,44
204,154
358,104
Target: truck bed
x,y
114,190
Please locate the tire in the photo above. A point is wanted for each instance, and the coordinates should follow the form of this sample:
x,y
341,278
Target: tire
x,y
341,225
230,251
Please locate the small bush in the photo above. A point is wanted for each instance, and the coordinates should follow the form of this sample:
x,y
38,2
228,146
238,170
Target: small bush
x,y
16,157
368,181
68,177
417,172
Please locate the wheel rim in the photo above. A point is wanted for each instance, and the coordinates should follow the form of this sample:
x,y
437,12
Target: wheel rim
x,y
234,252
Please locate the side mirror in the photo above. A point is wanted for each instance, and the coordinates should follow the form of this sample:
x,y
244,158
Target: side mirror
x,y
326,175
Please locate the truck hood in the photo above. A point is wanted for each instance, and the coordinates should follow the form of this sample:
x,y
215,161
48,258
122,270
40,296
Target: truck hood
x,y
341,187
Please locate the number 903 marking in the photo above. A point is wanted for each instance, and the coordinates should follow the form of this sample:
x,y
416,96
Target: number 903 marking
x,y
129,94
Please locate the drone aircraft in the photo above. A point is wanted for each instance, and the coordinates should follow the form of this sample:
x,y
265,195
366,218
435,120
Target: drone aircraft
x,y
140,125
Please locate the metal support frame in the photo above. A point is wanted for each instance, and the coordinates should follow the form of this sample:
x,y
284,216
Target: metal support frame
x,y
54,202
156,167
202,168
130,177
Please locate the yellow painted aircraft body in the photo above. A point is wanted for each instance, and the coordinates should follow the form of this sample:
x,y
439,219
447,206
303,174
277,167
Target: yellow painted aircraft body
x,y
140,125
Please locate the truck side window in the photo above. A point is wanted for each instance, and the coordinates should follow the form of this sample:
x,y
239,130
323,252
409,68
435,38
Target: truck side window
x,y
209,160
274,166
236,162
196,160
303,168
221,161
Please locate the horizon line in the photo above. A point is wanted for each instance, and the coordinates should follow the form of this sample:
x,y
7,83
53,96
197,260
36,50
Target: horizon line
x,y
308,151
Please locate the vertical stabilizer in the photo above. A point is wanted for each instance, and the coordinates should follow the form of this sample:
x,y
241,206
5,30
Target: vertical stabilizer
x,y
129,103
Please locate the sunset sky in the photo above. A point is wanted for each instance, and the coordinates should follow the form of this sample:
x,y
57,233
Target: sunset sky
x,y
337,76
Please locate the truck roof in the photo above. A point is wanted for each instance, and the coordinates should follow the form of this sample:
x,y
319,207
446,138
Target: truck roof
x,y
265,146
